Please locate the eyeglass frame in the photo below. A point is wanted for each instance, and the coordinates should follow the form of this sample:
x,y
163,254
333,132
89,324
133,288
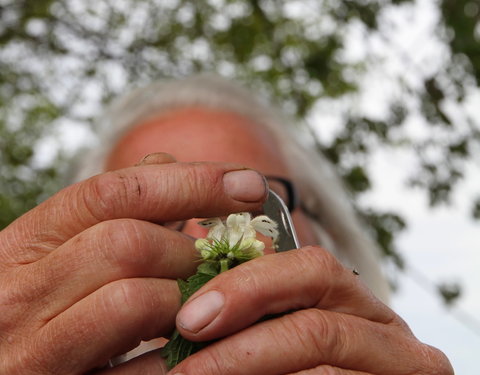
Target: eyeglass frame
x,y
293,201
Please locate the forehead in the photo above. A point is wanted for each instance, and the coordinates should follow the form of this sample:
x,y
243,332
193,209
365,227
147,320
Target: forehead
x,y
197,134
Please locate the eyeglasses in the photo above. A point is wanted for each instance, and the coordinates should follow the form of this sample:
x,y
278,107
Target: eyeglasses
x,y
280,185
285,189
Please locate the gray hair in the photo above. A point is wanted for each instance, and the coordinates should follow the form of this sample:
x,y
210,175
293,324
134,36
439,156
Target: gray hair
x,y
320,189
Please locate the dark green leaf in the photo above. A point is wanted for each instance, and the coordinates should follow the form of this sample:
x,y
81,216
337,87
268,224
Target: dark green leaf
x,y
450,292
179,348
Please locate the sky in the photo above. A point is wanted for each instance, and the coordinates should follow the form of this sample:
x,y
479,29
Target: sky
x,y
441,244
438,245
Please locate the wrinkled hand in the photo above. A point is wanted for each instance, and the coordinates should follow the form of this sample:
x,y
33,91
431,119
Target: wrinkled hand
x,y
87,274
337,327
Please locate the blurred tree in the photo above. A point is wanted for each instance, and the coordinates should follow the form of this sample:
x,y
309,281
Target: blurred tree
x,y
62,60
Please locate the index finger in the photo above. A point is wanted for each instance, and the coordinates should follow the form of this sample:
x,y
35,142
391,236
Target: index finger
x,y
158,193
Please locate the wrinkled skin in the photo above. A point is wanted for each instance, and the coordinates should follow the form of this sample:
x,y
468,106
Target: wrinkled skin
x,y
91,272
87,274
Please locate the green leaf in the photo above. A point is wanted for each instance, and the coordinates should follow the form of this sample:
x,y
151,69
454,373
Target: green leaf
x,y
195,282
178,348
450,292
208,268
184,290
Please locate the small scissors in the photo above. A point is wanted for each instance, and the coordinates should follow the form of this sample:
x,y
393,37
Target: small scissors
x,y
275,209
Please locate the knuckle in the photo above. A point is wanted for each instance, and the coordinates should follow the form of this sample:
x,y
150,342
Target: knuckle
x,y
105,194
16,363
200,182
9,297
17,300
320,266
397,322
8,311
243,280
133,301
318,258
123,243
312,330
213,361
24,356
434,362
125,296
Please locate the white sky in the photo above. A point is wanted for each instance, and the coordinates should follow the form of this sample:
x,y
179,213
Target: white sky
x,y
443,244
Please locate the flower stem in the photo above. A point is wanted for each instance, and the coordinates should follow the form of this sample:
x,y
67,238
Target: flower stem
x,y
223,265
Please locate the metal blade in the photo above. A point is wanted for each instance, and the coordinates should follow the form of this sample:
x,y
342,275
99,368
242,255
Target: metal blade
x,y
275,209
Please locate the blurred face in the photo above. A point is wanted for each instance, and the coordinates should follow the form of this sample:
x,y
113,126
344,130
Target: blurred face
x,y
198,134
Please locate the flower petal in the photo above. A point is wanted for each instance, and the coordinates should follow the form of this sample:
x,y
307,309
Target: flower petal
x,y
236,221
217,228
209,223
202,244
217,232
266,226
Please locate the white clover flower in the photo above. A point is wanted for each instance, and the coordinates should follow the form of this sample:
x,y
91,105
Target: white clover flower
x,y
236,237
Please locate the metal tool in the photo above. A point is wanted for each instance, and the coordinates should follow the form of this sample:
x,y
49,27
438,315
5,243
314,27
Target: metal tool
x,y
275,209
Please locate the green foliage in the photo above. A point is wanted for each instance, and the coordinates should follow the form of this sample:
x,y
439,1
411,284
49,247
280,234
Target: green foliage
x,y
357,179
178,348
476,209
461,18
450,292
384,226
61,61
205,272
23,182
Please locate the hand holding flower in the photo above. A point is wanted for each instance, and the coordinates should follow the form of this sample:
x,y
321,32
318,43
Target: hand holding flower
x,y
226,246
327,322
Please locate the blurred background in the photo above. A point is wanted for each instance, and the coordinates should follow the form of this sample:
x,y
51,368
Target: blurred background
x,y
388,91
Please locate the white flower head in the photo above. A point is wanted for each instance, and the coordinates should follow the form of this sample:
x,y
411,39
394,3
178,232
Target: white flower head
x,y
236,237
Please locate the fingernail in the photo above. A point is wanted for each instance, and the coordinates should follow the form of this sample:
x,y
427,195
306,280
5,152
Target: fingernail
x,y
157,158
200,312
245,185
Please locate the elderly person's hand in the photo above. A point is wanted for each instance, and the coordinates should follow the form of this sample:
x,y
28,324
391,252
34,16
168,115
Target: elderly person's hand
x,y
332,323
87,274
